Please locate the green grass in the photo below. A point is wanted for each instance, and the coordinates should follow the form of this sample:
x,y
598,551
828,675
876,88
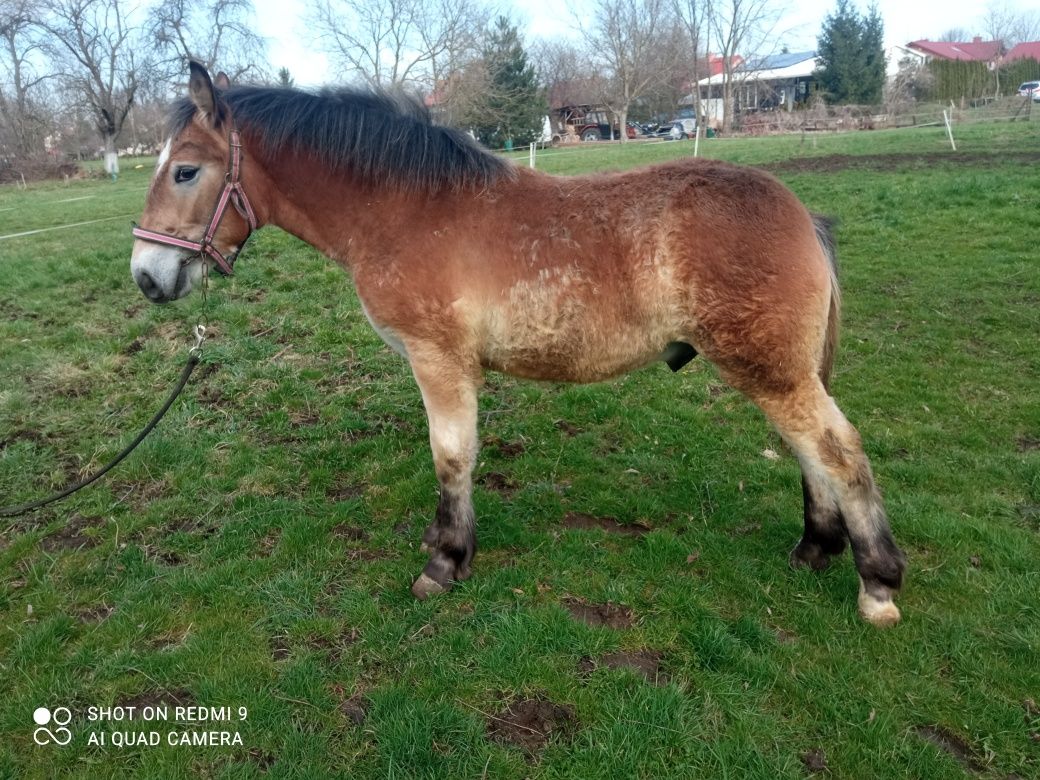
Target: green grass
x,y
214,563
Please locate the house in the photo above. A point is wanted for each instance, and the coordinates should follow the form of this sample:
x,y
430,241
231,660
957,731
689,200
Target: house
x,y
771,82
1024,51
977,50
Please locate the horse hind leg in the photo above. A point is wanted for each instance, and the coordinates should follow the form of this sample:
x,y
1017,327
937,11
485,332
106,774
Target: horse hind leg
x,y
840,496
450,397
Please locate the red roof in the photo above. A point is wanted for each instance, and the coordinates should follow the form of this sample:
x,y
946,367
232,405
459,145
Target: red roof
x,y
1024,51
977,50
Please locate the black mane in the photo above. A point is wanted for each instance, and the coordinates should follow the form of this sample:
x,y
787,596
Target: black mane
x,y
378,137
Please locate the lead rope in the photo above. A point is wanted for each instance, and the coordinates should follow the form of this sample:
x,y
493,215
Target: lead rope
x,y
194,357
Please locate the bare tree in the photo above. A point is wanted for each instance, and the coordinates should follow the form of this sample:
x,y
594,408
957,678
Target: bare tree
x,y
394,42
101,55
955,35
1010,25
216,33
632,41
563,70
740,30
22,121
694,17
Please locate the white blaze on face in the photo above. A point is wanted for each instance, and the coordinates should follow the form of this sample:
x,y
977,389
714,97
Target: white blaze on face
x,y
164,157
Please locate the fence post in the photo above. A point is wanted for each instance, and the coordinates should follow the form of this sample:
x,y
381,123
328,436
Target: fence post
x,y
531,154
949,129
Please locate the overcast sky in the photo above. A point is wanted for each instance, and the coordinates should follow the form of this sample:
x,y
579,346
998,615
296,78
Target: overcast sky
x,y
292,45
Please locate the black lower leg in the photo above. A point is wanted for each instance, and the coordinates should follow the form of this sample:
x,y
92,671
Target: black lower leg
x,y
451,539
824,535
879,562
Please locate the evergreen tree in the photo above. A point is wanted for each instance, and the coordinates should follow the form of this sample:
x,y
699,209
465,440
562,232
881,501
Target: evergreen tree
x,y
514,107
852,55
285,78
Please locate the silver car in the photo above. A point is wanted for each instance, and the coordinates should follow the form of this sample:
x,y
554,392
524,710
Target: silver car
x,y
682,128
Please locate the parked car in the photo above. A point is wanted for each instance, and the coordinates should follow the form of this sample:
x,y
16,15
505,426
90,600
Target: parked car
x,y
682,128
1030,89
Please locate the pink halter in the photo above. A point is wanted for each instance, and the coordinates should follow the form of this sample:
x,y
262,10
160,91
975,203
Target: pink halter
x,y
234,194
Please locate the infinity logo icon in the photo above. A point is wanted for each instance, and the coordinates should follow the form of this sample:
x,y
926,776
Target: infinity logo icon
x,y
61,717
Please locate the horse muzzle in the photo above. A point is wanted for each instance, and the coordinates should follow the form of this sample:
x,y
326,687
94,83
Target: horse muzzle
x,y
164,275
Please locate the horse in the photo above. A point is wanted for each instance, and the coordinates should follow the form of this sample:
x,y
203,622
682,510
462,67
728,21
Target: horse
x,y
465,263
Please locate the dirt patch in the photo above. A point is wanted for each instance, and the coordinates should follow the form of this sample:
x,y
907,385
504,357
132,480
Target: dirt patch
x,y
746,528
142,493
95,614
170,558
531,723
646,663
344,490
261,759
834,163
507,449
355,708
152,698
71,537
498,482
610,615
350,532
303,418
169,639
1030,513
585,522
363,554
569,428
22,435
267,543
334,646
1027,443
133,347
280,649
191,526
953,745
815,761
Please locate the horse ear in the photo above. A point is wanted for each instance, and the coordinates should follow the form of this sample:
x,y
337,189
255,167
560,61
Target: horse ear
x,y
222,81
200,88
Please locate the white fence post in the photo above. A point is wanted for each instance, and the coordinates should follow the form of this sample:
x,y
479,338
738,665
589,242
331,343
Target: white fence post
x,y
949,129
532,153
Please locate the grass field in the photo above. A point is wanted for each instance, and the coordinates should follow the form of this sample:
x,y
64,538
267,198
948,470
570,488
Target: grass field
x,y
256,551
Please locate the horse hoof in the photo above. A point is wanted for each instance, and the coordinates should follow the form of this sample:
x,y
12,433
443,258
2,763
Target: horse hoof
x,y
426,586
882,614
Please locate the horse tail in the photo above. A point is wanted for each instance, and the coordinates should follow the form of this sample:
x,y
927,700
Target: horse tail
x,y
825,235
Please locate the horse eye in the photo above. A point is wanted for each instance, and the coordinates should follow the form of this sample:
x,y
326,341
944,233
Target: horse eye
x,y
184,173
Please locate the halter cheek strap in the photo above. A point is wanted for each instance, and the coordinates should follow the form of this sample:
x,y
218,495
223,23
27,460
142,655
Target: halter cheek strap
x,y
233,194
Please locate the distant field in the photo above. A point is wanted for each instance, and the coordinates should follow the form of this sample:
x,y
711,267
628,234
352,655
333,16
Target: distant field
x,y
257,550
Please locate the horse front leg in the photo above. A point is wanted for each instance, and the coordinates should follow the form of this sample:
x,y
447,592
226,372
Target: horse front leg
x,y
450,397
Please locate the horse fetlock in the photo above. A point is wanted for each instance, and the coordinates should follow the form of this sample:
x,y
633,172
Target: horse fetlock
x,y
813,555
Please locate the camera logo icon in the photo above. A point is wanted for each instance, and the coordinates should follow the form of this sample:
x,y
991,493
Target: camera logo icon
x,y
59,718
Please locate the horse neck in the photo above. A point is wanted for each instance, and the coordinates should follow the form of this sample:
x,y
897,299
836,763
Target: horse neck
x,y
329,210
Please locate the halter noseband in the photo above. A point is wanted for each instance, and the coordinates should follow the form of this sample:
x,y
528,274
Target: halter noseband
x,y
234,194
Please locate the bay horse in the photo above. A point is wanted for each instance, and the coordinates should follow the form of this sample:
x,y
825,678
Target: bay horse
x,y
464,263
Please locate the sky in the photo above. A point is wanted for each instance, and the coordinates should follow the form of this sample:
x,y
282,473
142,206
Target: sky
x,y
292,45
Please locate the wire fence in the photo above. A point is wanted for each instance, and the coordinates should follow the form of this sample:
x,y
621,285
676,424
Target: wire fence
x,y
813,123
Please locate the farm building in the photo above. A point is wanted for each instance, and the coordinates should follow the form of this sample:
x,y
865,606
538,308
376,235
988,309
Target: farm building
x,y
776,81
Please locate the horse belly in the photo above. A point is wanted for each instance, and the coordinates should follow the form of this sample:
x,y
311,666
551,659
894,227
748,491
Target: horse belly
x,y
571,331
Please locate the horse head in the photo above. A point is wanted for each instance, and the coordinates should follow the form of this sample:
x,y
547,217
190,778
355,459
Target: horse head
x,y
187,225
